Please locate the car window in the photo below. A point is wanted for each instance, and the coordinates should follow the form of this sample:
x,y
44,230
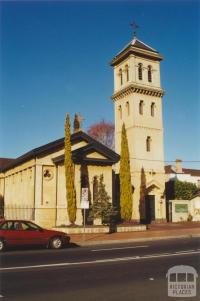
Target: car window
x,y
34,226
29,226
7,226
4,226
10,226
16,226
25,226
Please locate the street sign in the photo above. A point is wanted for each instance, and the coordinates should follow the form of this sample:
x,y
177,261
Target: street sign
x,y
84,198
84,194
85,205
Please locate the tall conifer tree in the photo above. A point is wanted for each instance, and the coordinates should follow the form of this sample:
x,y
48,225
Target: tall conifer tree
x,y
125,179
69,174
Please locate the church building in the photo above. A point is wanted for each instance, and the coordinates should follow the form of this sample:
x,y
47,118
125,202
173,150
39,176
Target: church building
x,y
33,185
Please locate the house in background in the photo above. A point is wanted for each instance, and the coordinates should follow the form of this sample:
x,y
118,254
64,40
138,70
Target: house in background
x,y
181,210
177,172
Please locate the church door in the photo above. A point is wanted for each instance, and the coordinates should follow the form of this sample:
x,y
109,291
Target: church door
x,y
150,208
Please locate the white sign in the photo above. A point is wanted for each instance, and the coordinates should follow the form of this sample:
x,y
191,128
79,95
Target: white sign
x,y
84,198
85,205
84,194
182,281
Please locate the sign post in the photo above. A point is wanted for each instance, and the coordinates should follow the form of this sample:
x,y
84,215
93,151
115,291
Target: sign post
x,y
84,206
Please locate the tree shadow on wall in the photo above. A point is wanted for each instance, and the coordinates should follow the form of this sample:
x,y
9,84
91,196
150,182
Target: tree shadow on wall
x,y
85,183
116,196
143,191
1,206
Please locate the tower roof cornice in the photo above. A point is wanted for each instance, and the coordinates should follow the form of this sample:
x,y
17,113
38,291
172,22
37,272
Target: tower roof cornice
x,y
134,88
138,48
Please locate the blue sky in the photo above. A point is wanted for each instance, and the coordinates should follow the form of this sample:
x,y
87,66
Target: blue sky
x,y
55,59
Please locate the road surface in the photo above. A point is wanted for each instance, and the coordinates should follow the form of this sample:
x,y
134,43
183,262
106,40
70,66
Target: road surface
x,y
134,271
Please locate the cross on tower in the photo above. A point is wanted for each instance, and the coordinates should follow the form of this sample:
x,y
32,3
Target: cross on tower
x,y
134,28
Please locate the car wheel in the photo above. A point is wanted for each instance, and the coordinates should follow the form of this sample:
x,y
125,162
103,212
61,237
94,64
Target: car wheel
x,y
2,244
56,243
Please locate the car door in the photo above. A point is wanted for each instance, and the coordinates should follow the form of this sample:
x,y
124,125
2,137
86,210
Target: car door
x,y
8,233
32,235
12,233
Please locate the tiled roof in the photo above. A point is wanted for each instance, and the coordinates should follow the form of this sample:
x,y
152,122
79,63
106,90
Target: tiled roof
x,y
170,169
192,172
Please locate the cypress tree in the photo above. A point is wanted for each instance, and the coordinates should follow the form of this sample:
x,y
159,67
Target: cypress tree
x,y
125,179
69,174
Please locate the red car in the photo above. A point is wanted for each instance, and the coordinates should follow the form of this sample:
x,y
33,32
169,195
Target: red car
x,y
21,232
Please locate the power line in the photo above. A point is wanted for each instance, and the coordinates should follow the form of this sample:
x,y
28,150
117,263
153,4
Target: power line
x,y
167,161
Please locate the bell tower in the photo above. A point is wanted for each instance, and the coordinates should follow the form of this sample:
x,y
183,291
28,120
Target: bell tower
x,y
137,101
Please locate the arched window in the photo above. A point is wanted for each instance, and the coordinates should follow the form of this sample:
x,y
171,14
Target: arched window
x,y
140,71
141,105
121,76
153,109
120,112
148,144
127,73
149,74
127,108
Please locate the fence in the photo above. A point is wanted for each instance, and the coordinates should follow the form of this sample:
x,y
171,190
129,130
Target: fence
x,y
16,212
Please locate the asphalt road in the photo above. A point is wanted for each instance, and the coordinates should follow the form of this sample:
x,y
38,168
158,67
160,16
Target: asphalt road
x,y
134,271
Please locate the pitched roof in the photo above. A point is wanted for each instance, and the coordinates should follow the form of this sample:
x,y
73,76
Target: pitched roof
x,y
192,172
58,145
139,44
170,169
80,155
5,161
139,48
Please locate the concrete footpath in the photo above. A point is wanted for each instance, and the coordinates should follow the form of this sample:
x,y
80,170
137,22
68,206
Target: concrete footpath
x,y
154,232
